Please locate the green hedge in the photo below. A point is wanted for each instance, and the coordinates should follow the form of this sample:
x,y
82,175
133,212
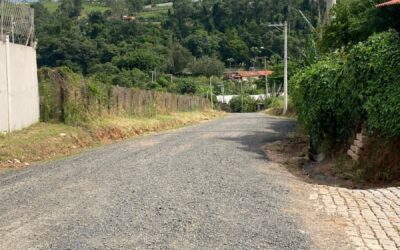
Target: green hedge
x,y
341,92
373,71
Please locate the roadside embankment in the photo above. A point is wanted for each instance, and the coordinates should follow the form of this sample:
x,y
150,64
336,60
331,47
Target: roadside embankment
x,y
46,141
79,113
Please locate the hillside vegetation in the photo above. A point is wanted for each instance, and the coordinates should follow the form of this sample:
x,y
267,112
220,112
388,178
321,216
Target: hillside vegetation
x,y
191,40
86,7
353,87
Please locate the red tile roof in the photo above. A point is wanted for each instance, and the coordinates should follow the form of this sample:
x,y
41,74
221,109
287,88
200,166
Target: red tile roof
x,y
392,2
247,74
254,73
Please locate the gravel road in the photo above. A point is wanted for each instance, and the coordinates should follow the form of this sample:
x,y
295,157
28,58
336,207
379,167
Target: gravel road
x,y
193,188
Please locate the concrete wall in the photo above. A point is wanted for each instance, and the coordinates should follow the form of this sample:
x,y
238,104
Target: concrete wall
x,y
227,98
19,94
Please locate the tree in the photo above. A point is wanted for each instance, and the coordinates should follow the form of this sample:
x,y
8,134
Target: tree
x,y
132,78
135,5
118,7
201,43
207,66
103,72
355,21
234,47
72,8
142,59
179,58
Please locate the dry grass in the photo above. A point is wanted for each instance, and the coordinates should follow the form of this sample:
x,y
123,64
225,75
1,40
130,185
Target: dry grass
x,y
279,112
45,141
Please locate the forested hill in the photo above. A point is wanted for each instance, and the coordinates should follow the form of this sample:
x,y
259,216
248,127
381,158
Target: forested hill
x,y
90,37
238,30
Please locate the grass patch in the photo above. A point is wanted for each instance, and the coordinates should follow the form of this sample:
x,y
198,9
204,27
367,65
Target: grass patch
x,y
275,107
45,141
50,6
87,8
153,14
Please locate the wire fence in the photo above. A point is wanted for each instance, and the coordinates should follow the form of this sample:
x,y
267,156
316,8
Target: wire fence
x,y
17,22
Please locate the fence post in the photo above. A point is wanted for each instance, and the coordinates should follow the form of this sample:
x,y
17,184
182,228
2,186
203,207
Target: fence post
x,y
8,84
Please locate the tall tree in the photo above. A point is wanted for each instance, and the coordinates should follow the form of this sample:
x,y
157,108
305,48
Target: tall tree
x,y
179,59
72,8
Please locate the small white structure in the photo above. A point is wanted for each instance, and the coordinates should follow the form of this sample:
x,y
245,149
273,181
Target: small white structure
x,y
227,98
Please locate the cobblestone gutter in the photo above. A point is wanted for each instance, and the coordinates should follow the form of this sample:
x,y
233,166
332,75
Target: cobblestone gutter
x,y
372,216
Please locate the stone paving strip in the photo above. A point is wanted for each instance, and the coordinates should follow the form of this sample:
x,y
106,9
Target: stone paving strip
x,y
373,216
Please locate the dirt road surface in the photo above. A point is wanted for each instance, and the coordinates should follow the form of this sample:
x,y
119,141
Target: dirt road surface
x,y
208,186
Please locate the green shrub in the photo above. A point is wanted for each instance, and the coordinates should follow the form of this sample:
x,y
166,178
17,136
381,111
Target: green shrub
x,y
274,102
275,106
249,104
320,101
187,86
373,74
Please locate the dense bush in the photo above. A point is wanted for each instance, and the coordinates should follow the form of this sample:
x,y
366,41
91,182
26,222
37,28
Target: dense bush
x,y
249,104
207,66
355,21
319,102
187,86
340,93
373,73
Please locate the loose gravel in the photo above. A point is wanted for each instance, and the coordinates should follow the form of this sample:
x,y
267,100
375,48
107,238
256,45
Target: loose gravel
x,y
191,188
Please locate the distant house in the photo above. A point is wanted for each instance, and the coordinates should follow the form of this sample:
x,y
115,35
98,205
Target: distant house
x,y
247,75
128,18
389,3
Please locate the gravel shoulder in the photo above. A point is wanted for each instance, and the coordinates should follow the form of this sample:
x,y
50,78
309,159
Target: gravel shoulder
x,y
208,186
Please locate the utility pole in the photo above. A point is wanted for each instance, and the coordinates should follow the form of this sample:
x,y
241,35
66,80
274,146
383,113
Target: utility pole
x,y
12,29
266,78
285,73
211,94
241,92
285,62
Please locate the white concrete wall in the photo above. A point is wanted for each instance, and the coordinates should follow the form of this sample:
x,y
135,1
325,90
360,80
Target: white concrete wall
x,y
227,98
19,93
3,89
